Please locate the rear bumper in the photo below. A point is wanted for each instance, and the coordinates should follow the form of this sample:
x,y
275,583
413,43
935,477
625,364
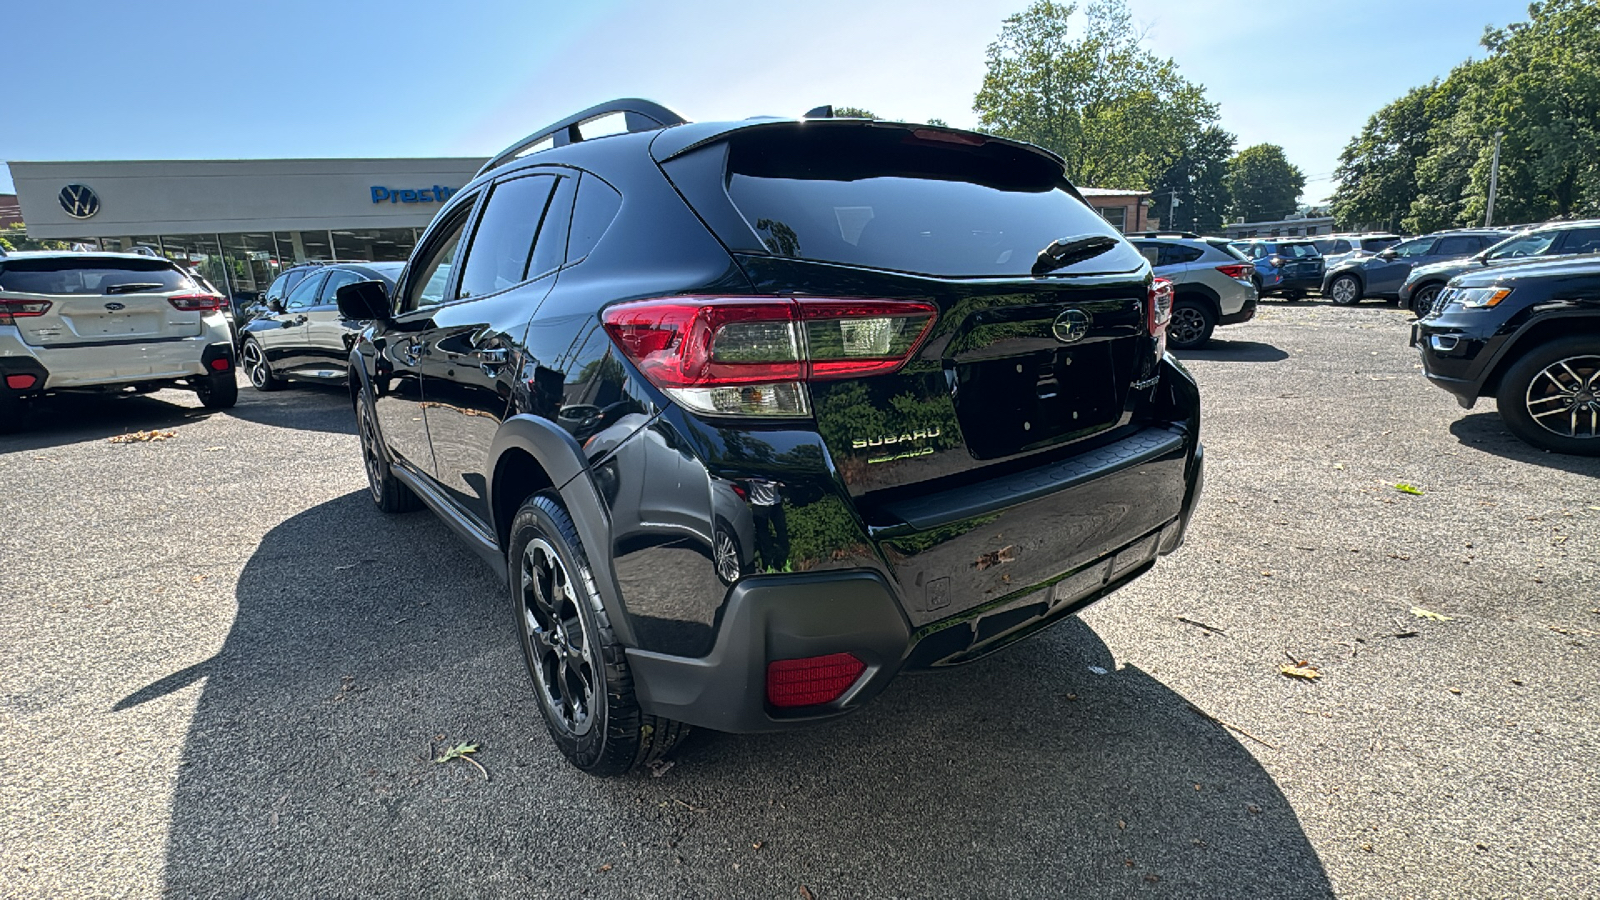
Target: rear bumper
x,y
1245,314
114,363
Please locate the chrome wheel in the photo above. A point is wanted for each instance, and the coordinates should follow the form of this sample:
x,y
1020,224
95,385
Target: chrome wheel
x,y
1564,398
556,638
727,558
1187,326
1344,291
255,364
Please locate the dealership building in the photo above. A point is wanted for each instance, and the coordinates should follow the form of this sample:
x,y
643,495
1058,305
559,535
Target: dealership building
x,y
240,222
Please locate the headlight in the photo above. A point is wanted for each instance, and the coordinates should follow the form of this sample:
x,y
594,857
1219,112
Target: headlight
x,y
1479,298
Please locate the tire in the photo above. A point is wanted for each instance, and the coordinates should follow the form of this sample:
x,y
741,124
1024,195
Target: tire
x,y
254,362
389,493
579,671
726,554
1191,324
1550,397
1344,290
13,414
1256,280
1422,299
218,391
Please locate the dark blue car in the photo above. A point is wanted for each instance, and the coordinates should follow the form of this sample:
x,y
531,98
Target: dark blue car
x,y
1284,268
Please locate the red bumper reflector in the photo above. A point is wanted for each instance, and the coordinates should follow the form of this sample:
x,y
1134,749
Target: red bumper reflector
x,y
811,681
21,382
221,365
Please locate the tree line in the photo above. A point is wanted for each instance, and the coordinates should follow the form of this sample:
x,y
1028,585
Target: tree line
x,y
1423,162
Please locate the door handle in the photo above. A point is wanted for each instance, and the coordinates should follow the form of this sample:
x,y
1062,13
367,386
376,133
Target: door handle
x,y
409,352
490,359
298,320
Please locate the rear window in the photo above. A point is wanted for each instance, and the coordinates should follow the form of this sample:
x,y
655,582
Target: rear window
x,y
886,198
77,275
1297,251
1230,249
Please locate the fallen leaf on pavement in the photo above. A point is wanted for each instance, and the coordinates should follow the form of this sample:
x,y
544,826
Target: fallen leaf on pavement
x,y
805,893
995,557
142,436
1404,488
461,751
1421,613
604,868
1308,672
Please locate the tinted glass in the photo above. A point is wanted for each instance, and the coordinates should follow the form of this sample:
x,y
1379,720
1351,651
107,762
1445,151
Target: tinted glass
x,y
1151,252
1180,253
329,295
1373,245
597,205
304,294
550,251
427,287
1297,251
502,245
1582,240
1410,249
1457,246
1230,249
1326,245
79,275
1523,245
857,213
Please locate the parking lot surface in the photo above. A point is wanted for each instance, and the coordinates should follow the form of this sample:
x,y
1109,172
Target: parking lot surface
x,y
227,674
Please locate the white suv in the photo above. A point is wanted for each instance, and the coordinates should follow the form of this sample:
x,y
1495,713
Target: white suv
x,y
1211,283
108,321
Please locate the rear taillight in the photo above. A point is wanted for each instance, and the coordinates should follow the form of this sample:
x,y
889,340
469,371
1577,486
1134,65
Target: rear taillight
x,y
21,309
196,302
812,681
1159,312
21,382
751,356
1240,271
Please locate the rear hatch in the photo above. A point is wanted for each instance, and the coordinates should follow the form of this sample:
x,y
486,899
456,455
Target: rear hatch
x,y
1014,364
64,301
1299,260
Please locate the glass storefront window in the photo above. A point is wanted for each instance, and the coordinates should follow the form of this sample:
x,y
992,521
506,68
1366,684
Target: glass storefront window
x,y
374,244
199,252
316,245
252,262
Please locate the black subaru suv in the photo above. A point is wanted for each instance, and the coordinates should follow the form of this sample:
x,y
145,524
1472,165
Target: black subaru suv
x,y
1529,336
753,415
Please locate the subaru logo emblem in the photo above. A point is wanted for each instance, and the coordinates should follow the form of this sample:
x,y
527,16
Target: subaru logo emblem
x,y
115,306
79,200
1071,326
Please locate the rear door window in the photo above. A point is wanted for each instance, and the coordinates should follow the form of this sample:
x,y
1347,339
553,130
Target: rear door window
x,y
1413,249
598,203
1581,240
1373,245
329,295
1150,251
304,295
1176,254
79,275
1460,245
501,251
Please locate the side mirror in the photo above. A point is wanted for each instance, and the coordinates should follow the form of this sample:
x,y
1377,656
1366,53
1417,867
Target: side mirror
x,y
1386,253
275,305
365,301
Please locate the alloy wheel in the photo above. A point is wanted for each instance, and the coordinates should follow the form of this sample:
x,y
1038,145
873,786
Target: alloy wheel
x,y
1564,398
255,365
1422,301
1187,326
1343,291
369,452
727,558
557,638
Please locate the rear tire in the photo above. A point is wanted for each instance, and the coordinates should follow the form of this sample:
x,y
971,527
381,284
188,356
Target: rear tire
x,y
389,493
1344,290
578,668
1550,397
218,391
1191,325
254,362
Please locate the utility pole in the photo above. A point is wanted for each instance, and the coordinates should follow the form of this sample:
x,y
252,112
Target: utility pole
x,y
1494,180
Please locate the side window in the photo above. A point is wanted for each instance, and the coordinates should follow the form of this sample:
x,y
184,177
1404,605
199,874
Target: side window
x,y
501,249
1151,252
550,251
329,295
305,293
1581,240
597,205
1413,249
1179,253
1457,246
433,266
276,289
1341,246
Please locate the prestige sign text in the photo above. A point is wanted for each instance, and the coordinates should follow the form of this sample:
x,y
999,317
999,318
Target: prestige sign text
x,y
435,194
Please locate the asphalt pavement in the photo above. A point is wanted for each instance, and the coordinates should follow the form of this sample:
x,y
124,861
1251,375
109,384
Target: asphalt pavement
x,y
226,674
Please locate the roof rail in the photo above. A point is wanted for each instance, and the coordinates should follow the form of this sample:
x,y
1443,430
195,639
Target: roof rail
x,y
1167,234
638,115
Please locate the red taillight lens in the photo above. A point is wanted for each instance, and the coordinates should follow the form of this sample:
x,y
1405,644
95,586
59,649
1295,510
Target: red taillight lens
x,y
811,681
752,355
1159,312
21,382
220,364
1240,271
196,302
21,309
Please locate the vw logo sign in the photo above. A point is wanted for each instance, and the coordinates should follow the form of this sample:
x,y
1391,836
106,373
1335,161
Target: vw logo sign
x,y
79,200
116,306
1071,326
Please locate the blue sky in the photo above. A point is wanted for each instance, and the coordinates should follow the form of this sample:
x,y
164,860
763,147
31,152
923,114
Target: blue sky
x,y
221,80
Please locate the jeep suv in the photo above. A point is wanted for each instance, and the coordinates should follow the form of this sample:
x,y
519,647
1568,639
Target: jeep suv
x,y
1529,336
751,416
1422,286
1211,284
108,321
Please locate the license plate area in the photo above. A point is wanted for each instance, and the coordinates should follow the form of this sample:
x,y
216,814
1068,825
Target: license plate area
x,y
115,324
1020,403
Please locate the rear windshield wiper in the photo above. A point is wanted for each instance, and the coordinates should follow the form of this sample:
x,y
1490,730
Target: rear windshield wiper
x,y
1063,252
134,287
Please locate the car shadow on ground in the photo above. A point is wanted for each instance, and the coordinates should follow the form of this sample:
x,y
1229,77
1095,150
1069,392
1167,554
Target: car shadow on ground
x,y
304,405
1223,350
74,418
364,645
1487,432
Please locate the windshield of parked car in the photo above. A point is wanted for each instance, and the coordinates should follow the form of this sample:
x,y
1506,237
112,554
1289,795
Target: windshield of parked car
x,y
1522,245
90,275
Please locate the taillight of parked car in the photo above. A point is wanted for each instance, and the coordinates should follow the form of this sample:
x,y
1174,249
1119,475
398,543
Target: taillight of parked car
x,y
1240,271
1159,312
11,310
197,302
751,356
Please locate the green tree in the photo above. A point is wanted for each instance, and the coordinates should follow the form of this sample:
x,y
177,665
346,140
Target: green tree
x,y
1263,183
1377,171
1199,181
1117,114
853,112
15,239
